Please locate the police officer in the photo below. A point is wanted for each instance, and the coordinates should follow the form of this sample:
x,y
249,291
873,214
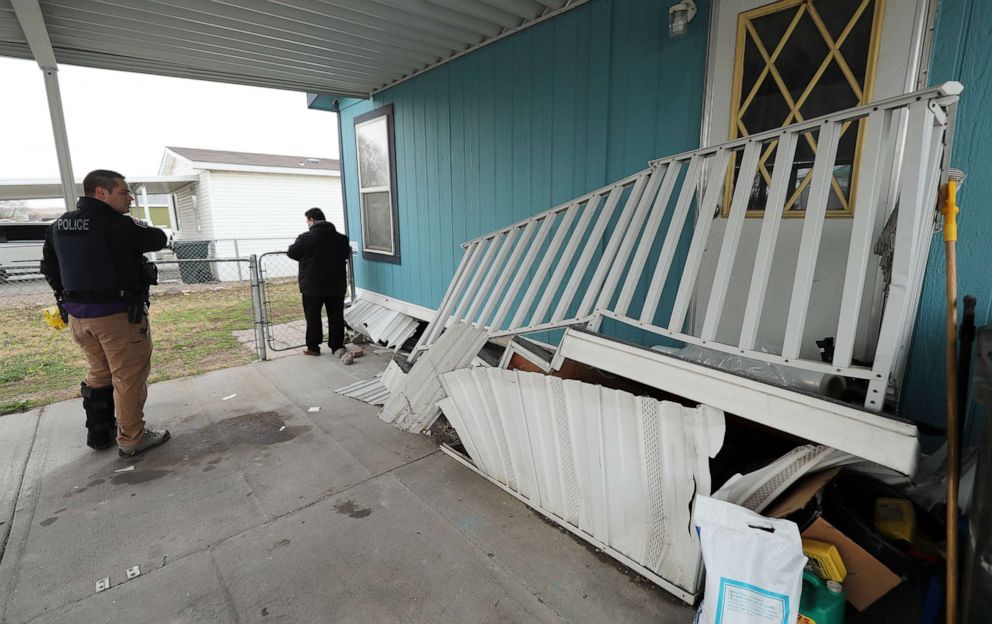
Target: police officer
x,y
93,261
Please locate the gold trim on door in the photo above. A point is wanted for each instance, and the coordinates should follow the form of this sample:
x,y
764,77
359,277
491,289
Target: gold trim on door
x,y
746,31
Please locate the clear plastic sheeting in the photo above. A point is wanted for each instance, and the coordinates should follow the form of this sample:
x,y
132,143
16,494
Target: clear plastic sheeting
x,y
806,380
619,470
379,323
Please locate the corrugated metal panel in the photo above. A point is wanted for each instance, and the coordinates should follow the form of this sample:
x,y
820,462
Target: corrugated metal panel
x,y
413,407
381,324
371,391
342,47
620,468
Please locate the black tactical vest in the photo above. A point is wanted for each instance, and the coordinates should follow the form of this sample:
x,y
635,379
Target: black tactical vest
x,y
86,265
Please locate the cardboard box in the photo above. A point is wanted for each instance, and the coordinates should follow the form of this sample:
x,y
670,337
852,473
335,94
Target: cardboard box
x,y
867,578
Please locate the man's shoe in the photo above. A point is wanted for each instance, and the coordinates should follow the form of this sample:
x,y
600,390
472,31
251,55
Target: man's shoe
x,y
150,438
339,352
309,352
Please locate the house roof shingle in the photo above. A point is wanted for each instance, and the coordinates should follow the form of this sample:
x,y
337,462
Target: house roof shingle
x,y
256,160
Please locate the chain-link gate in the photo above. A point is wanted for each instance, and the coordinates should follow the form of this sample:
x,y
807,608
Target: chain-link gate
x,y
283,323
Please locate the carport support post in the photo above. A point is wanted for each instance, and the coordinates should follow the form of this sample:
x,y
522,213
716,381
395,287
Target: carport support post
x,y
32,22
257,303
61,137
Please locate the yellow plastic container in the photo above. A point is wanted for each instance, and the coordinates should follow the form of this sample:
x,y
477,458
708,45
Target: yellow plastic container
x,y
53,319
895,519
824,560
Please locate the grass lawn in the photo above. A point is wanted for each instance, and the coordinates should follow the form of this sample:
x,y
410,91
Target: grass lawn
x,y
191,334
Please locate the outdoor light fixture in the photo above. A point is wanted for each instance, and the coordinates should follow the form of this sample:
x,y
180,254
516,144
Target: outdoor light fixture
x,y
679,16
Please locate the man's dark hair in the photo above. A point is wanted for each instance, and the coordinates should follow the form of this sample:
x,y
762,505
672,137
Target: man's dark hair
x,y
101,178
316,214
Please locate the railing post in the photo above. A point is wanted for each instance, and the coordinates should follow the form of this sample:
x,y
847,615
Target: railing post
x,y
257,306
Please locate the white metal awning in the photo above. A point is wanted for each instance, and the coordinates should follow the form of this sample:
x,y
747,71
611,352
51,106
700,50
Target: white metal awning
x,y
43,189
341,47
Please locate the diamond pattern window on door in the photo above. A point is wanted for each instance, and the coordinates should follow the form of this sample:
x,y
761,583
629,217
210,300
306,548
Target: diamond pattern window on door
x,y
799,59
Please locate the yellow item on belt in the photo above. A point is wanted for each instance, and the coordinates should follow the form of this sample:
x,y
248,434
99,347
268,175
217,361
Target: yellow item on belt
x,y
53,319
895,519
824,560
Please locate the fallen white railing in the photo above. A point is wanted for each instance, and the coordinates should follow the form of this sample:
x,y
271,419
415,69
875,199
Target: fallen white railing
x,y
588,259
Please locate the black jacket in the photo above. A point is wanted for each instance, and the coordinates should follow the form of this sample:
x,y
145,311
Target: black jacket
x,y
95,253
322,253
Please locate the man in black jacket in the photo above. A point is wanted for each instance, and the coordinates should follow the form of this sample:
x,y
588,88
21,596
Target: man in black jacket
x,y
92,259
322,253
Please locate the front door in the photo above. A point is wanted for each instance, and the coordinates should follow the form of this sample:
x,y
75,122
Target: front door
x,y
777,63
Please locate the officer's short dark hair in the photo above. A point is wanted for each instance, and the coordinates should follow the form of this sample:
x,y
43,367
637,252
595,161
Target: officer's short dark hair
x,y
101,178
316,214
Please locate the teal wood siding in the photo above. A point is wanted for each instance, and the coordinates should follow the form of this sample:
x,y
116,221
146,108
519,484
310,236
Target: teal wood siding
x,y
525,124
962,52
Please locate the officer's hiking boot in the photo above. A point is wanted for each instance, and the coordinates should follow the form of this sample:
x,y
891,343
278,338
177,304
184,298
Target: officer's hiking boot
x,y
149,438
339,352
101,426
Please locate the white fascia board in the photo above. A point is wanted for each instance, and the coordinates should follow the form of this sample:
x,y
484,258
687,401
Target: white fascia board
x,y
887,441
210,166
410,309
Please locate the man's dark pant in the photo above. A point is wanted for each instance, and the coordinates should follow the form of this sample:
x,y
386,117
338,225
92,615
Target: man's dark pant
x,y
312,306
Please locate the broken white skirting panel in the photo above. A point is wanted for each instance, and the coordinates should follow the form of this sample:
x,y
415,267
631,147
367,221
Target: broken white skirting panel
x,y
758,489
887,441
382,325
413,406
372,391
618,469
393,376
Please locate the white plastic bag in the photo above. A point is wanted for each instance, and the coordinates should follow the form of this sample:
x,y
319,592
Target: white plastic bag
x,y
754,565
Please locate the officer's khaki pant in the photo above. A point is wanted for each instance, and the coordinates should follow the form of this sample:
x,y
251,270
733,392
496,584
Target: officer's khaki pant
x,y
119,353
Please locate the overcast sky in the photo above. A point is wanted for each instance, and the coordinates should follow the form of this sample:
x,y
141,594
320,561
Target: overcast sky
x,y
122,121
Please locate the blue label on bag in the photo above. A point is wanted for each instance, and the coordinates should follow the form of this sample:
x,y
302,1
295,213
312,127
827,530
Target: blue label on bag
x,y
741,602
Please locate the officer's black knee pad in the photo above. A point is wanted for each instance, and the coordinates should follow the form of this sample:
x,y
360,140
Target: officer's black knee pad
x,y
100,422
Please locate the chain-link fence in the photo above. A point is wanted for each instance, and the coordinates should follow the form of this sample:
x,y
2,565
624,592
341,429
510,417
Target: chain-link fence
x,y
199,323
207,312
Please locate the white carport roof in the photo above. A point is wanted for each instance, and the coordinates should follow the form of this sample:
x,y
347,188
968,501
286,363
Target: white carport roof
x,y
42,189
339,47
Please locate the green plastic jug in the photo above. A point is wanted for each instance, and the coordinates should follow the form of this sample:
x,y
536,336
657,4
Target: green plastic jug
x,y
822,601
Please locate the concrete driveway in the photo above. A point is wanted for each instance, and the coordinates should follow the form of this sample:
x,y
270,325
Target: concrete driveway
x,y
259,510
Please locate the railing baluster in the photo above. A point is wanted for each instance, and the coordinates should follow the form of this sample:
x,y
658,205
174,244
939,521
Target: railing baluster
x,y
542,269
523,272
628,240
472,292
460,279
809,245
609,259
647,240
873,150
672,237
772,219
498,293
731,240
484,292
694,258
564,263
580,269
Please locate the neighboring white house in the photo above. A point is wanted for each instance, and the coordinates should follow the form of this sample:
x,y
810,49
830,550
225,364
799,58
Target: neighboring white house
x,y
257,200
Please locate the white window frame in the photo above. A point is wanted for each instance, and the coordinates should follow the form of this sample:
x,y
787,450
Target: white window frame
x,y
376,116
